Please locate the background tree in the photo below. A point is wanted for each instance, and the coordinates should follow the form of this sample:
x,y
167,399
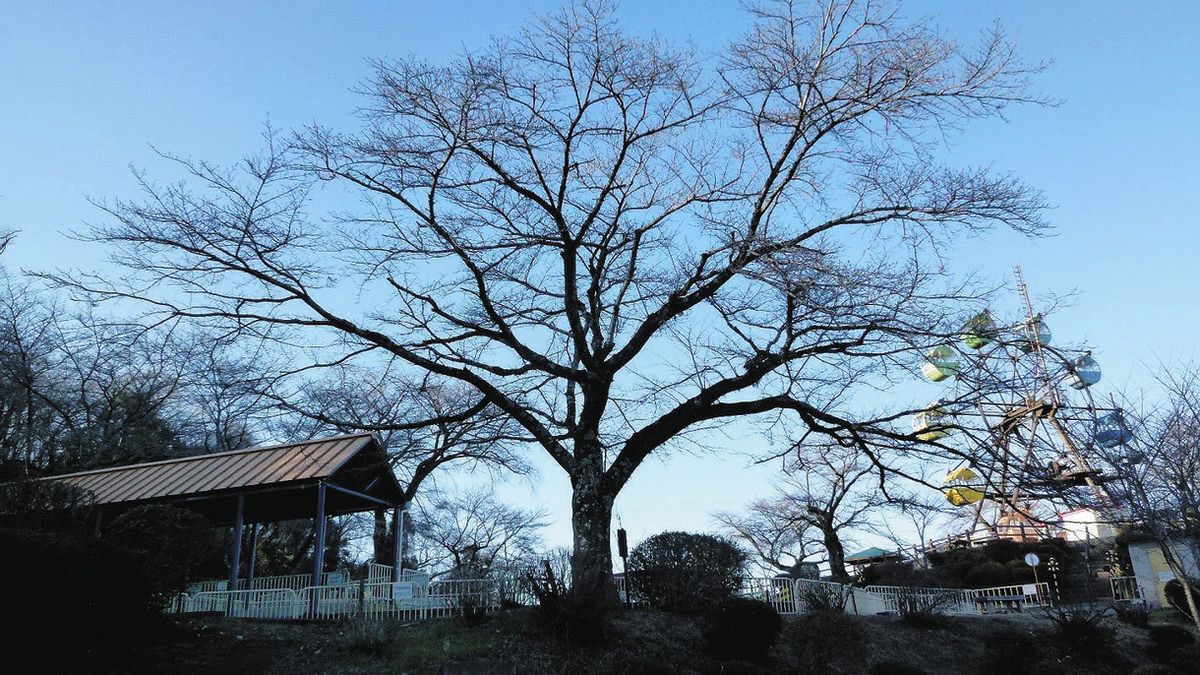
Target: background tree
x,y
616,243
469,533
782,541
1158,469
825,493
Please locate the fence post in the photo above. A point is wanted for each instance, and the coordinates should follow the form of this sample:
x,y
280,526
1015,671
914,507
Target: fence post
x,y
853,600
362,597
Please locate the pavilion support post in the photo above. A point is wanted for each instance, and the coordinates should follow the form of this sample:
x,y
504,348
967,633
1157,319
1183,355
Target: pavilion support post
x,y
253,555
319,544
250,562
237,549
318,551
398,514
99,517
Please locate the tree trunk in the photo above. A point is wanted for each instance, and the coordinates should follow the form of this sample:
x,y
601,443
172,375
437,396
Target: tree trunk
x,y
591,520
837,555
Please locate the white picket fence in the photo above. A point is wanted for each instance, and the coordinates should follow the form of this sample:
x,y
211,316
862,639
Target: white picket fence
x,y
293,581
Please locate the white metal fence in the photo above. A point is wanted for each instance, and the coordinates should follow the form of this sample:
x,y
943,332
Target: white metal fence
x,y
416,597
800,595
966,600
1125,589
403,599
293,581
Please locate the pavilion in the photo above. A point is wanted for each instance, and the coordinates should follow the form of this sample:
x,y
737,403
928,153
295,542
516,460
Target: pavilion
x,y
311,479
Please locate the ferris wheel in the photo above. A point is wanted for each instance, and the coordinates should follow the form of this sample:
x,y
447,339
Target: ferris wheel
x,y
1019,415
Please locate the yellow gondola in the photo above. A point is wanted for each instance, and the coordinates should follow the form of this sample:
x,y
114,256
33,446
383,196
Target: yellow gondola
x,y
961,487
931,423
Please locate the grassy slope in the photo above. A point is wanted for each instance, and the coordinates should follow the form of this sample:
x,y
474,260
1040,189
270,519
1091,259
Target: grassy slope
x,y
639,641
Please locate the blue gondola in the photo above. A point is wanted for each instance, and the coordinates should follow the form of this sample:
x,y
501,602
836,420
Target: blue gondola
x,y
1111,430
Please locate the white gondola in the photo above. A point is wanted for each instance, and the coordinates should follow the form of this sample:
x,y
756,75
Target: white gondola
x,y
1085,372
1031,331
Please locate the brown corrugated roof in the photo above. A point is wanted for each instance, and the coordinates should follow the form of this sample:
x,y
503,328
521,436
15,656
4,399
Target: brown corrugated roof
x,y
308,460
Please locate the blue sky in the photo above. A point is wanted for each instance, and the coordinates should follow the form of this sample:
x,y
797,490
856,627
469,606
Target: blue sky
x,y
87,87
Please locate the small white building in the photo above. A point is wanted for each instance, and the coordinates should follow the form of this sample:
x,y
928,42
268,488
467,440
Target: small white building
x,y
1083,524
1151,569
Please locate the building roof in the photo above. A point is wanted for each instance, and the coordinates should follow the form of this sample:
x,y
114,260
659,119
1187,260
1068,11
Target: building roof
x,y
872,553
282,479
220,471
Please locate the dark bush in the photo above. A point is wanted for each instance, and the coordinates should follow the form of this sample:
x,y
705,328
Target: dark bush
x,y
172,546
823,597
1177,598
46,506
1011,651
1002,550
1186,657
576,614
1167,639
1133,614
822,643
1158,669
685,572
1083,631
641,665
923,609
75,601
987,574
741,629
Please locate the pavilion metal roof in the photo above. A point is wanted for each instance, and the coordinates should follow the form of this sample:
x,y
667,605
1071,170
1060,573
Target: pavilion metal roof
x,y
220,472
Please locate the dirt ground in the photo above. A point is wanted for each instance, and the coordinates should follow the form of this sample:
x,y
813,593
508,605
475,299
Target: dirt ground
x,y
637,642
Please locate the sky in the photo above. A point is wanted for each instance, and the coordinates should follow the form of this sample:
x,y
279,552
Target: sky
x,y
89,89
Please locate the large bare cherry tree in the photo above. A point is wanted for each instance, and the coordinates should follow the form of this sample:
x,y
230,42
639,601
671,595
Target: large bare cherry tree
x,y
618,243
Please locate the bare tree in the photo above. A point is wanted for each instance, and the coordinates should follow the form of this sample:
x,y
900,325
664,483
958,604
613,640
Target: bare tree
x,y
469,533
771,527
1158,470
616,243
826,492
